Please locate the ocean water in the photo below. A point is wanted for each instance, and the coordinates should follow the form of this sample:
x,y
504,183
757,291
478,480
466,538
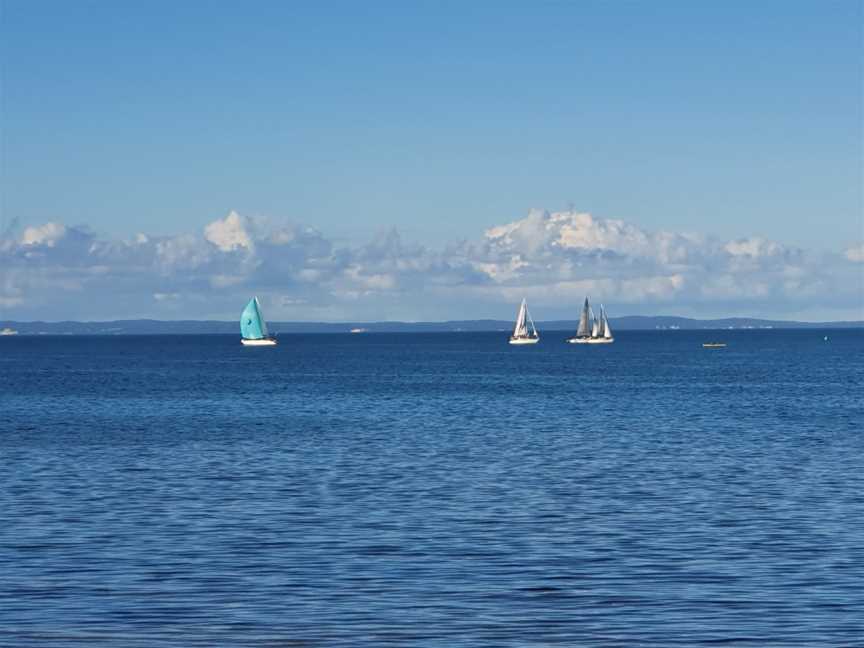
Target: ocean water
x,y
433,490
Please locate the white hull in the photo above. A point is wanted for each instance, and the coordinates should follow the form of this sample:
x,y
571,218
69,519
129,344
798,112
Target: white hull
x,y
591,340
525,340
261,342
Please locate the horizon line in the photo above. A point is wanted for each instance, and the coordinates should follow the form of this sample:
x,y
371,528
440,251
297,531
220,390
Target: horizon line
x,y
448,321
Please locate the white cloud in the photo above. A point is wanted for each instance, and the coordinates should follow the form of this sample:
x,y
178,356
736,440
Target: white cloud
x,y
228,234
225,281
753,247
182,252
47,234
552,258
732,286
855,253
561,245
371,281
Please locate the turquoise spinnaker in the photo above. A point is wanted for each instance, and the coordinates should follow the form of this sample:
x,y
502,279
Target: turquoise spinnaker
x,y
252,325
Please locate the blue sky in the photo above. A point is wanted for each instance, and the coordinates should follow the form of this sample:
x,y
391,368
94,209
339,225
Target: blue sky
x,y
728,121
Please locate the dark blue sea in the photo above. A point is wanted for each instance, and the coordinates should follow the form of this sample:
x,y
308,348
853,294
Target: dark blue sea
x,y
433,490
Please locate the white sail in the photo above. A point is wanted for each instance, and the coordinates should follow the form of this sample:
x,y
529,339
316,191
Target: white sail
x,y
592,330
521,328
607,332
531,322
521,334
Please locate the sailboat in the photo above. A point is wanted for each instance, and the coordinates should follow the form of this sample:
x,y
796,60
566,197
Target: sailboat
x,y
521,334
605,333
253,328
592,330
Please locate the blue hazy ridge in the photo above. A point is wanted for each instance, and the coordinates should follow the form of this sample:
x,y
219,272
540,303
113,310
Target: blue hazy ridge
x,y
433,489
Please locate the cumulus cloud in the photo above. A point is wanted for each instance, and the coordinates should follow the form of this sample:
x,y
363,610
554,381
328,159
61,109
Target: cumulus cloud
x,y
855,253
228,234
47,234
554,258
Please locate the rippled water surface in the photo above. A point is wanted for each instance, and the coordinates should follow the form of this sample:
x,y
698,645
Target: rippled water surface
x,y
433,490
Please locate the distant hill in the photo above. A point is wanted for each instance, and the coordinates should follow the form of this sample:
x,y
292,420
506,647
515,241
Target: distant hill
x,y
202,327
637,322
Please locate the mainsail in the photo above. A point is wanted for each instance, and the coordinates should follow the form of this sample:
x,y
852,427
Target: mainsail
x,y
252,324
584,329
521,328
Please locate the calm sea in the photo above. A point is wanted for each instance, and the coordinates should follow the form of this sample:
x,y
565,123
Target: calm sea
x,y
433,490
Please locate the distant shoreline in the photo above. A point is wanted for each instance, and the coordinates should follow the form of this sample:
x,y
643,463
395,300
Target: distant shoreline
x,y
207,327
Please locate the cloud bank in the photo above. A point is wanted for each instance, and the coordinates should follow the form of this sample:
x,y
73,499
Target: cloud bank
x,y
56,271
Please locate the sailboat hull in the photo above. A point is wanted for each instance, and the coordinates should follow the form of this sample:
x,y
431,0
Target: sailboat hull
x,y
586,340
524,340
261,342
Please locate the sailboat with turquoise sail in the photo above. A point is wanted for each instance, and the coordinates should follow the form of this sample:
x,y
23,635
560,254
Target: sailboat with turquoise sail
x,y
253,328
